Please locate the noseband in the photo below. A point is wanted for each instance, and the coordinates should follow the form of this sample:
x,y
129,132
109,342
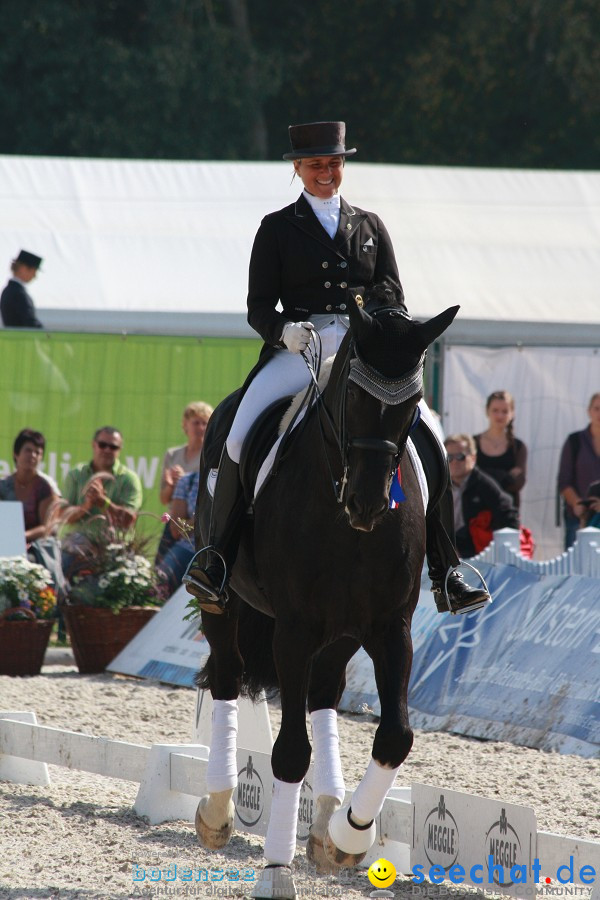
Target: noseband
x,y
391,392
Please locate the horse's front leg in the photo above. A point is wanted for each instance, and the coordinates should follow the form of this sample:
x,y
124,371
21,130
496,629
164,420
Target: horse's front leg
x,y
290,758
352,829
216,811
327,683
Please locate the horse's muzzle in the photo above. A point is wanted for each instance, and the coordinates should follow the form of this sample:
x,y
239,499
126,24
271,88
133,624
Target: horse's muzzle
x,y
364,516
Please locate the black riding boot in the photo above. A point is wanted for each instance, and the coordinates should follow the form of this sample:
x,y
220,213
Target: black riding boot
x,y
450,590
208,572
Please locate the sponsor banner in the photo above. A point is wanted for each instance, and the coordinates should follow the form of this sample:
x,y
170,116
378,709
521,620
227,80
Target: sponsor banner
x,y
489,844
68,385
525,670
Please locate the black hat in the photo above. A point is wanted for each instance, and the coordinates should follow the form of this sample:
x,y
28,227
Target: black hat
x,y
318,139
29,259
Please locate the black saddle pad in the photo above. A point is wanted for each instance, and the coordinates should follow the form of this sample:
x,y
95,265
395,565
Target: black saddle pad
x,y
435,464
259,442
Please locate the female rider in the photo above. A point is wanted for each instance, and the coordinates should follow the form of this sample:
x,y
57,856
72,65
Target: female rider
x,y
313,257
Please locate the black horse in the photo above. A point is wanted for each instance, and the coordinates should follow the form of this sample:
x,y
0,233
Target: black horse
x,y
325,567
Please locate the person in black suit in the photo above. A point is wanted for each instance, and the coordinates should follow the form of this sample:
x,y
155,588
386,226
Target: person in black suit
x,y
312,258
480,505
16,306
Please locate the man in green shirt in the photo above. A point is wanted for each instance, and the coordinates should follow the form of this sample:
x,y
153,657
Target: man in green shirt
x,y
104,486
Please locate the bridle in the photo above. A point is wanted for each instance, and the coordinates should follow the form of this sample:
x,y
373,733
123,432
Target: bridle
x,y
390,391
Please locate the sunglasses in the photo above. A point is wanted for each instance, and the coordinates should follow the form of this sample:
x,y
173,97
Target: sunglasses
x,y
457,456
104,445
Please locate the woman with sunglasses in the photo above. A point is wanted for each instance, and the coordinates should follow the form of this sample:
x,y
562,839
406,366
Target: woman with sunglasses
x,y
312,259
500,454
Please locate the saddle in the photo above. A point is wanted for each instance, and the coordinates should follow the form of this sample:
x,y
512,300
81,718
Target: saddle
x,y
261,439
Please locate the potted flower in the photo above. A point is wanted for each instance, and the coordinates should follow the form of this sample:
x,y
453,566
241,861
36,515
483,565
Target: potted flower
x,y
27,606
113,591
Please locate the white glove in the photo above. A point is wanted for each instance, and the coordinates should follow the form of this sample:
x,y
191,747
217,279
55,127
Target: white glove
x,y
296,335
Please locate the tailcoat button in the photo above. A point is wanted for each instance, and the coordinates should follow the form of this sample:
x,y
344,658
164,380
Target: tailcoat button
x,y
343,264
348,226
327,284
329,307
342,306
325,264
343,284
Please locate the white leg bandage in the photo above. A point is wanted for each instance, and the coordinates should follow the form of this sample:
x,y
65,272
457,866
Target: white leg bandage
x,y
328,779
368,798
280,843
221,772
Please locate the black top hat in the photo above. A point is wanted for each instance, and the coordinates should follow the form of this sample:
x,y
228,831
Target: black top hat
x,y
29,259
318,139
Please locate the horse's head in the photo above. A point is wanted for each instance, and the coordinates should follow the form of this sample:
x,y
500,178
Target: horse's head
x,y
383,386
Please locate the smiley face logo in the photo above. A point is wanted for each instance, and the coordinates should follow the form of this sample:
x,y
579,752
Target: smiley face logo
x,y
381,873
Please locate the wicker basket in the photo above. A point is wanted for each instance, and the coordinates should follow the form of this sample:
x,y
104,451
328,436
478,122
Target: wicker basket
x,y
23,643
97,635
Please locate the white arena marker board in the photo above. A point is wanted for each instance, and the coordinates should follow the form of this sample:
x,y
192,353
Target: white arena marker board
x,y
458,829
12,529
167,648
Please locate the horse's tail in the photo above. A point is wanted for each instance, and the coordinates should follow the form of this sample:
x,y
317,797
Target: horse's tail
x,y
255,642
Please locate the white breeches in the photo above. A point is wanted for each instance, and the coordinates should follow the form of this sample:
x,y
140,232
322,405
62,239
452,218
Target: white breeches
x,y
282,376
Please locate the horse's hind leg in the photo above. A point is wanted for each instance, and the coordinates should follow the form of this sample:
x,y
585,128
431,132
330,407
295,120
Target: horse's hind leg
x,y
328,680
352,830
215,813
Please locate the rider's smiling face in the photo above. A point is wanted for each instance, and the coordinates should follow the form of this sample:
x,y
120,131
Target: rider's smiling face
x,y
321,175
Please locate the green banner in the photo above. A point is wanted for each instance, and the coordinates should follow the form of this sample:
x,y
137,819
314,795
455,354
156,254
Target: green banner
x,y
68,385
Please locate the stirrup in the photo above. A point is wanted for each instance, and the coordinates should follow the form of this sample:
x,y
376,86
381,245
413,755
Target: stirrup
x,y
211,598
485,599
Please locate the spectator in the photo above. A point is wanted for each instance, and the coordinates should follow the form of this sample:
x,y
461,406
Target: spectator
x,y
579,467
182,460
182,510
32,488
591,519
480,505
16,306
103,486
499,453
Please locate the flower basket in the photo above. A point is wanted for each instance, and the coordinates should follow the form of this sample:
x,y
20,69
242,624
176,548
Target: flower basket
x,y
23,642
97,635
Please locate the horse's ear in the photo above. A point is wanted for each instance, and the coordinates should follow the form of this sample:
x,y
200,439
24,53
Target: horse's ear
x,y
360,320
428,331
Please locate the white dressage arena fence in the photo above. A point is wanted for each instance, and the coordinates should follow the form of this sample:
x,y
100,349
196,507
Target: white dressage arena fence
x,y
424,826
583,558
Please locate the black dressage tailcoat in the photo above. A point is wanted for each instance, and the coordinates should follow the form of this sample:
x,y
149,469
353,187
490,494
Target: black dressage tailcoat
x,y
296,263
16,307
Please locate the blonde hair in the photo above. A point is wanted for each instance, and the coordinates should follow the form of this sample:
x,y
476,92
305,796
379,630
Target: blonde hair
x,y
462,439
198,410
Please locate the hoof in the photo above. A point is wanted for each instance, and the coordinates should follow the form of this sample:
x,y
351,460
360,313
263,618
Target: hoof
x,y
346,843
275,881
213,835
339,858
315,854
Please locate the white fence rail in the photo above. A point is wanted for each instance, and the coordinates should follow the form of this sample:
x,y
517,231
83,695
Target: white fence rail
x,y
171,777
583,558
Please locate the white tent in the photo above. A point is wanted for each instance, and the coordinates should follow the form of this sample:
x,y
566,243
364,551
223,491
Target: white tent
x,y
158,246
163,247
